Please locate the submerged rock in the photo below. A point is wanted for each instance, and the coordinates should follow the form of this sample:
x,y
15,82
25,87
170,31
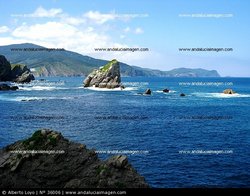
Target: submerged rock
x,y
62,164
147,92
6,87
165,90
107,76
229,91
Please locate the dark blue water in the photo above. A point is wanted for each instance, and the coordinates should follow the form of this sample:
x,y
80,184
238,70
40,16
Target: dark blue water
x,y
162,128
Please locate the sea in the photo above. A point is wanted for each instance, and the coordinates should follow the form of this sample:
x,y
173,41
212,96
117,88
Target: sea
x,y
198,140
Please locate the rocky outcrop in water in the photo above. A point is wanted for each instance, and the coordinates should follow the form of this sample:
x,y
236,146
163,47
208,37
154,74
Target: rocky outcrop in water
x,y
107,76
229,91
165,90
15,73
147,92
69,165
6,87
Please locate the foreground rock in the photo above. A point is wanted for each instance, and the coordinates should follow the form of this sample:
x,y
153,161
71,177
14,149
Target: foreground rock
x,y
74,167
107,76
6,87
229,91
15,72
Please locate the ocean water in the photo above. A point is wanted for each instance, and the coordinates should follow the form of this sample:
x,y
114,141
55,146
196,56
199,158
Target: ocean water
x,y
200,140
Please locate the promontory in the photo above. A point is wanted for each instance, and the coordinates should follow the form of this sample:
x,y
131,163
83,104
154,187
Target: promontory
x,y
48,160
14,72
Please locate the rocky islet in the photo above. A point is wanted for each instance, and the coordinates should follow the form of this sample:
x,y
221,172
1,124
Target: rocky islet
x,y
107,76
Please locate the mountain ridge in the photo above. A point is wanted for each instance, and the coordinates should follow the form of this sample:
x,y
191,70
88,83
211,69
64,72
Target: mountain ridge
x,y
60,62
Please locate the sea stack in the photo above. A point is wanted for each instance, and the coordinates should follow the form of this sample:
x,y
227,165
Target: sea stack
x,y
69,165
107,76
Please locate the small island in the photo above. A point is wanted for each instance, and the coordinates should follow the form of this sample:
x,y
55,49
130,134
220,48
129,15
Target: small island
x,y
229,91
107,76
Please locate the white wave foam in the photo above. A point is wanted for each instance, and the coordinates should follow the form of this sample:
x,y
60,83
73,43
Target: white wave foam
x,y
27,98
47,83
221,95
24,98
39,88
114,89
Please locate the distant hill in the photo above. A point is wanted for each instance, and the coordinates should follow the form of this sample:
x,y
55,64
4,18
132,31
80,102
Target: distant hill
x,y
67,63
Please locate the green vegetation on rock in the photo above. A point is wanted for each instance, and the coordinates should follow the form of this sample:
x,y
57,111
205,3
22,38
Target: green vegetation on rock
x,y
34,141
101,169
52,140
17,66
40,140
108,65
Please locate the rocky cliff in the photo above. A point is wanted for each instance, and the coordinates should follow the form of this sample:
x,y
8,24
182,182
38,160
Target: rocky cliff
x,y
69,165
5,68
15,72
107,76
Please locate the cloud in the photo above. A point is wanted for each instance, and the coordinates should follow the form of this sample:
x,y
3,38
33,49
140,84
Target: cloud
x,y
126,30
138,30
4,29
44,31
72,20
61,35
83,41
90,16
100,18
10,40
80,34
40,12
122,36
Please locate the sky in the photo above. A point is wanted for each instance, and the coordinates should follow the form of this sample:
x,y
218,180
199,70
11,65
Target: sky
x,y
162,26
